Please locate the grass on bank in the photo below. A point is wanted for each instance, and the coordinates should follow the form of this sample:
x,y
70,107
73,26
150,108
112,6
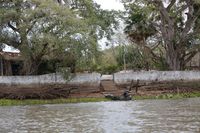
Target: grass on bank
x,y
170,96
8,102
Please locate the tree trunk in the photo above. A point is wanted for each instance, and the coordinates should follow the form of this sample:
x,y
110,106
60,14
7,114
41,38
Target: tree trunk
x,y
30,67
174,60
8,68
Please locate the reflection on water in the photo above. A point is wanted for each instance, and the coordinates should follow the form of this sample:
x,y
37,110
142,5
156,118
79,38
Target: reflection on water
x,y
104,117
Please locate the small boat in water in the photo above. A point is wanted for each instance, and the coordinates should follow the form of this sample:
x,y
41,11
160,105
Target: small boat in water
x,y
124,97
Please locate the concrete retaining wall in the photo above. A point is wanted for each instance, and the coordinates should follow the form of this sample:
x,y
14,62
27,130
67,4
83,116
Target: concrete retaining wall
x,y
94,79
91,79
149,76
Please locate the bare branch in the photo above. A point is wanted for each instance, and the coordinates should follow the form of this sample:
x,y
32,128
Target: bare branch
x,y
190,18
31,26
190,56
183,8
164,14
171,5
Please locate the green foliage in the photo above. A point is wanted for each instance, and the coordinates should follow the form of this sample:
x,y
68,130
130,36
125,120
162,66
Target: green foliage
x,y
41,29
139,25
66,73
170,25
169,96
108,64
7,102
161,64
113,60
133,57
108,69
48,30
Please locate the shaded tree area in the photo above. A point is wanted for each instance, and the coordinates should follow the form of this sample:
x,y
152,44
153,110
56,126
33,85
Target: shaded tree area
x,y
128,57
167,31
55,33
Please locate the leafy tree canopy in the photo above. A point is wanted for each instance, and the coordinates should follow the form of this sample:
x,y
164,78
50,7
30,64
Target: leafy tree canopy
x,y
53,29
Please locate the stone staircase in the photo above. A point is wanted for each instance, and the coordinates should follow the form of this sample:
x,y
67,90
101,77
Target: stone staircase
x,y
109,87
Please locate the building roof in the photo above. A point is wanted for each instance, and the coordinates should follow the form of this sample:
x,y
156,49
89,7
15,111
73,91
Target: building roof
x,y
10,56
10,49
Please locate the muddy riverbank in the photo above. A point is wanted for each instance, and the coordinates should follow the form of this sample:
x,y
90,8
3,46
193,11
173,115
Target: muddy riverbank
x,y
48,91
95,85
55,91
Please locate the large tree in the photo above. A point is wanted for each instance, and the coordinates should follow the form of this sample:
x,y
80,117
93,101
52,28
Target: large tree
x,y
172,23
100,24
53,29
39,29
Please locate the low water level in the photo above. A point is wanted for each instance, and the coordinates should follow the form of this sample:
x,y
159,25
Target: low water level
x,y
104,117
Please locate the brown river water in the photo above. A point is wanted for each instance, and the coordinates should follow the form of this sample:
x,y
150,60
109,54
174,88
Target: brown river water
x,y
146,116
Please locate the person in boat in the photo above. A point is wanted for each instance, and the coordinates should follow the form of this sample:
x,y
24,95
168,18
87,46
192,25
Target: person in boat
x,y
124,97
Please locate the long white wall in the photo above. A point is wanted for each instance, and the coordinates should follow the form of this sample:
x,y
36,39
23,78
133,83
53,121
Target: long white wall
x,y
123,78
92,79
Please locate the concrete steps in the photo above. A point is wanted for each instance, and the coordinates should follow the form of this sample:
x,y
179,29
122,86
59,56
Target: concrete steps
x,y
109,88
108,85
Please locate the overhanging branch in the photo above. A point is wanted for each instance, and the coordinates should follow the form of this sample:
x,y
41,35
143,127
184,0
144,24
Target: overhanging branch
x,y
171,5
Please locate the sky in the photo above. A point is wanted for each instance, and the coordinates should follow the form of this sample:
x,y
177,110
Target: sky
x,y
110,4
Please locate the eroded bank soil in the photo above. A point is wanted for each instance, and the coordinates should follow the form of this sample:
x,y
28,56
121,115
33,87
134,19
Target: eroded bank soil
x,y
54,91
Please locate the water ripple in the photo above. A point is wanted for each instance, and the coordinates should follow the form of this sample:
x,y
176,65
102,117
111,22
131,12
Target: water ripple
x,y
104,117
